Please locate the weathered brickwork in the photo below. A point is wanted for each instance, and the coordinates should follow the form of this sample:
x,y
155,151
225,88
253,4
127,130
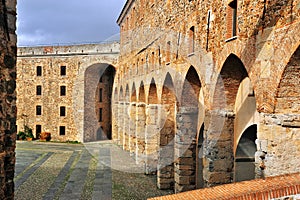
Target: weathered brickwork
x,y
285,187
230,67
8,109
85,65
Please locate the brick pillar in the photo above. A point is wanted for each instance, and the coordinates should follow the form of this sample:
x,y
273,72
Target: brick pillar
x,y
165,171
151,138
140,132
115,119
126,126
8,50
218,147
185,149
132,129
120,123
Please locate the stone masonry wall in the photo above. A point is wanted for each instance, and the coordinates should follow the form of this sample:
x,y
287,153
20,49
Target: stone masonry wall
x,y
8,109
176,41
77,59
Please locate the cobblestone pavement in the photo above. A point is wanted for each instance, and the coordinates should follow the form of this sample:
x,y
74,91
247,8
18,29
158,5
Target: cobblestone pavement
x,y
65,171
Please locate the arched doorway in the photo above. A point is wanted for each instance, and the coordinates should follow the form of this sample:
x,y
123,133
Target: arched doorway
x,y
98,86
245,155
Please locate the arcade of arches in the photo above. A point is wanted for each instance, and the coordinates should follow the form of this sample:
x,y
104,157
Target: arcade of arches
x,y
206,92
169,127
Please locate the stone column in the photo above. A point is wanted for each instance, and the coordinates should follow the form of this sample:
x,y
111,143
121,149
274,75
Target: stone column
x,y
218,159
132,129
115,118
278,144
140,132
165,167
126,126
151,138
120,123
185,149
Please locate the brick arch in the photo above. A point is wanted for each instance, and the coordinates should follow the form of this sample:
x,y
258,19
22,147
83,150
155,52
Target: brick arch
x,y
235,47
168,91
232,73
152,97
191,88
133,93
287,98
142,96
121,94
127,98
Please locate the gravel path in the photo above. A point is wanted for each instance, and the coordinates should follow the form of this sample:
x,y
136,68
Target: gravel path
x,y
75,171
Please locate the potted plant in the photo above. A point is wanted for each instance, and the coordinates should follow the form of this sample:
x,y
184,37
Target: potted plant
x,y
45,136
26,134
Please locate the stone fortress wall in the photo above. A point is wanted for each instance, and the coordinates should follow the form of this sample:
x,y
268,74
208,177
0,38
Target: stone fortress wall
x,y
205,89
84,65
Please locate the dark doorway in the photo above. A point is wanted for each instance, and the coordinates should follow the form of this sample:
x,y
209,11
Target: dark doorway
x,y
245,155
199,160
38,130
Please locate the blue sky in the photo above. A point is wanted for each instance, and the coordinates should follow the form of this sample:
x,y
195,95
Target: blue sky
x,y
67,21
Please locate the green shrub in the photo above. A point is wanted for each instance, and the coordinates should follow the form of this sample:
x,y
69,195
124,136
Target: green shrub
x,y
27,133
21,135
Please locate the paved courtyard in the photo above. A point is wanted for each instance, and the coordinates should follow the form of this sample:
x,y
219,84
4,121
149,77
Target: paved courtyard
x,y
65,171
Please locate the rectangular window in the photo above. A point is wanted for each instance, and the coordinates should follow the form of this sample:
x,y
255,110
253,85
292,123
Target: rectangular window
x,y
38,110
62,90
192,39
62,130
63,70
62,111
100,95
38,90
231,19
38,130
100,115
39,70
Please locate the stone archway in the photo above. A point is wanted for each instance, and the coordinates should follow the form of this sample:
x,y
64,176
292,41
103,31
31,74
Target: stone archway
x,y
166,137
245,155
288,91
152,129
140,125
218,144
98,84
132,130
187,134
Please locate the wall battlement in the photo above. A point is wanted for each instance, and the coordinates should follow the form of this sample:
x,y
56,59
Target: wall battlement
x,y
72,50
